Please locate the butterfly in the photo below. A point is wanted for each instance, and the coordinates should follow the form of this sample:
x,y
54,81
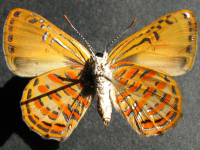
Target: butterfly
x,y
135,76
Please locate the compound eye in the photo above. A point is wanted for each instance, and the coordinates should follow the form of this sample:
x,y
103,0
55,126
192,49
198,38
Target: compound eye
x,y
99,54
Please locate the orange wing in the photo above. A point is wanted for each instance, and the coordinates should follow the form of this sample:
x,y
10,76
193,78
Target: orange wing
x,y
33,45
149,99
168,44
54,103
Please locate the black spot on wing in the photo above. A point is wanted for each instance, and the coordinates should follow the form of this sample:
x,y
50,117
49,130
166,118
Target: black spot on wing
x,y
135,73
122,73
163,98
11,21
146,72
190,22
156,83
10,28
42,128
160,21
16,14
140,35
154,92
11,49
60,125
29,93
28,109
10,38
159,27
47,124
143,40
148,31
191,29
152,27
173,116
40,101
36,82
156,35
33,20
131,85
169,22
173,90
139,88
146,91
31,119
168,16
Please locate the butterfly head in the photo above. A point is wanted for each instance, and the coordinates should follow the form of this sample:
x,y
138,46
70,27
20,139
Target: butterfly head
x,y
100,64
99,54
101,57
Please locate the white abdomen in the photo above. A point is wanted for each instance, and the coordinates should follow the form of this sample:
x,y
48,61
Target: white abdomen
x,y
103,86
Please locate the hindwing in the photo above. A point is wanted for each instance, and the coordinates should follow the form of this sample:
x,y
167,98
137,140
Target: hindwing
x,y
54,103
149,99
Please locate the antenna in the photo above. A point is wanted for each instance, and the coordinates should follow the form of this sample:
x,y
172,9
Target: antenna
x,y
120,34
88,45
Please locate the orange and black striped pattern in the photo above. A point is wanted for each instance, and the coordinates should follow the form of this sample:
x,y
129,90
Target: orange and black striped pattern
x,y
53,103
63,87
149,99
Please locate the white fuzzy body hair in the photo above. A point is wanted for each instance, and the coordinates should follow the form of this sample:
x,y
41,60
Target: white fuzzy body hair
x,y
103,86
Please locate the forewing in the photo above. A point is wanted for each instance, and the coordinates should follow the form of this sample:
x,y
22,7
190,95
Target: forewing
x,y
168,44
54,103
149,99
33,45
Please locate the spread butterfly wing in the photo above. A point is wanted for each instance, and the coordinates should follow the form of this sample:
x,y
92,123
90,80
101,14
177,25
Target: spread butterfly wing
x,y
33,45
54,103
149,99
168,44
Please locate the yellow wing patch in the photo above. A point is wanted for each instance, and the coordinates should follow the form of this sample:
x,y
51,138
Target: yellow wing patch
x,y
33,45
168,44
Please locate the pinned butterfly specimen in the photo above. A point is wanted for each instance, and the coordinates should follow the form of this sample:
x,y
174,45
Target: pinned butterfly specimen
x,y
135,76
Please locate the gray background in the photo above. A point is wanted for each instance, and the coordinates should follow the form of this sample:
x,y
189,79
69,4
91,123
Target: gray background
x,y
99,21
